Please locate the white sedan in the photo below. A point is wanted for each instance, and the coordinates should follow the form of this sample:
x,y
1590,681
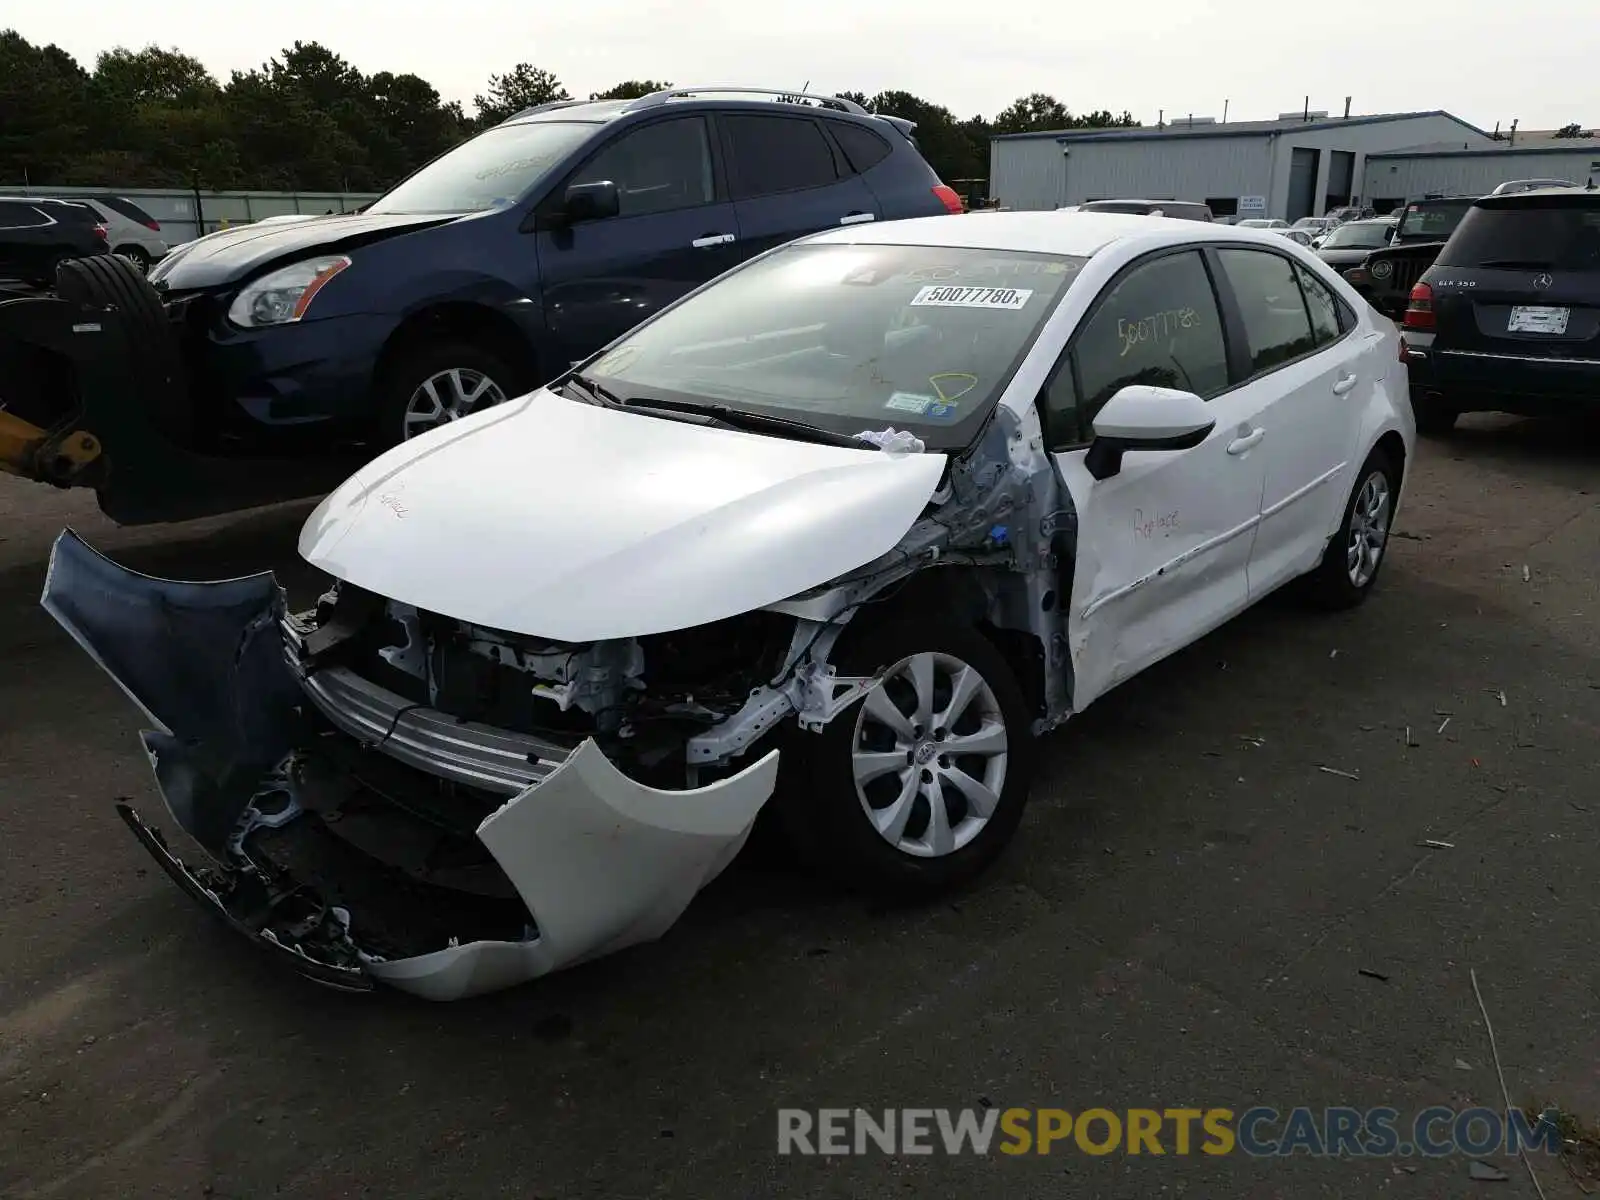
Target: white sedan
x,y
863,517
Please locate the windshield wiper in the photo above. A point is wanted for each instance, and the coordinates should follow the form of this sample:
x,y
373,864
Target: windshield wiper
x,y
603,394
739,418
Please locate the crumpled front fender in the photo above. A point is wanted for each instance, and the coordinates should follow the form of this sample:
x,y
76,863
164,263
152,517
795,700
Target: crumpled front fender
x,y
600,861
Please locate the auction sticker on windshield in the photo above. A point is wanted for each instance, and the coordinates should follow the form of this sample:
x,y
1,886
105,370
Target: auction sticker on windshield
x,y
947,296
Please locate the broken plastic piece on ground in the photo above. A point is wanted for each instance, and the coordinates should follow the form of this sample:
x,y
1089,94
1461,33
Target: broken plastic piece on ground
x,y
1485,1172
1341,774
893,441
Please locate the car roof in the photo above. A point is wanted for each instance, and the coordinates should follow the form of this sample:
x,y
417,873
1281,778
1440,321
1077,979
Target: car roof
x,y
1079,234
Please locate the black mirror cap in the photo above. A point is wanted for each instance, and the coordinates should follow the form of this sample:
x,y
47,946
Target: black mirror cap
x,y
1104,458
591,201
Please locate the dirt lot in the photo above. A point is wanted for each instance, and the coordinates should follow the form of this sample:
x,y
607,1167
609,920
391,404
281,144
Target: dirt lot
x,y
1182,921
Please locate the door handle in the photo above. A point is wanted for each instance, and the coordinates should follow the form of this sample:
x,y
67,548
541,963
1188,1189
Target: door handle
x,y
1344,385
712,239
1241,444
857,218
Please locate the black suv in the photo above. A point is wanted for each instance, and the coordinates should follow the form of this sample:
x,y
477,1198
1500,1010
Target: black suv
x,y
36,236
1508,317
1386,275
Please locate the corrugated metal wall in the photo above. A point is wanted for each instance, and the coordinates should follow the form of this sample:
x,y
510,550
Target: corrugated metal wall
x,y
1476,174
1033,173
175,208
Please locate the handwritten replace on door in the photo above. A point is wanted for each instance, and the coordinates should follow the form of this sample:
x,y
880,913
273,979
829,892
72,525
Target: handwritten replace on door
x,y
1149,528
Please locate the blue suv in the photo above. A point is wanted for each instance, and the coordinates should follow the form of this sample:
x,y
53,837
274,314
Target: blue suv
x,y
493,268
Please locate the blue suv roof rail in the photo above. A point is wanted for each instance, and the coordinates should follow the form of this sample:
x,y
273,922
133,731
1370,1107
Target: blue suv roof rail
x,y
539,108
656,99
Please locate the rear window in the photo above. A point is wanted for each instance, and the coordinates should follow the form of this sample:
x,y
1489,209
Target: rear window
x,y
1432,221
70,213
127,208
1527,237
777,154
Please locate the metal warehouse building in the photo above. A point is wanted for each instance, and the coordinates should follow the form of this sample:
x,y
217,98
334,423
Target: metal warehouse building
x,y
1298,165
1473,167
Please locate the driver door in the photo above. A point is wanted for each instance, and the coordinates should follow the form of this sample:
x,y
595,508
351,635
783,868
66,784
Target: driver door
x,y
1164,544
676,230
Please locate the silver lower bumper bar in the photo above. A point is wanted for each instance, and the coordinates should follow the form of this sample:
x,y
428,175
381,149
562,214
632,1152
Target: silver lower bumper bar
x,y
479,756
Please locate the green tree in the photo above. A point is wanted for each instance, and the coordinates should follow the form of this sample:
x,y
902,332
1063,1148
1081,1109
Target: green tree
x,y
1033,113
46,117
524,86
630,89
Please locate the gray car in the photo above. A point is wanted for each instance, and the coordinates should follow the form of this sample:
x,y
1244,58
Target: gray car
x,y
1349,244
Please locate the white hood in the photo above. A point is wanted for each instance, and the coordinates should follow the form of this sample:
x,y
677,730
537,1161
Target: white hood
x,y
565,520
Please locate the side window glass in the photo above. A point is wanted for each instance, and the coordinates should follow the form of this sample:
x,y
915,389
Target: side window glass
x,y
658,168
1159,325
1276,326
863,148
1062,426
1323,306
777,154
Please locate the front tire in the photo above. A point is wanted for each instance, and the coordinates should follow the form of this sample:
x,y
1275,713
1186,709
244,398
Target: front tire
x,y
440,382
919,786
1355,555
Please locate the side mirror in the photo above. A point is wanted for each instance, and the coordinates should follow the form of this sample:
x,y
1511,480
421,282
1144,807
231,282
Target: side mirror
x,y
1139,417
591,201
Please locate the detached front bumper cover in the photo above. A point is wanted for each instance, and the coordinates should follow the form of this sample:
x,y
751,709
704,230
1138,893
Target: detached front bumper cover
x,y
599,861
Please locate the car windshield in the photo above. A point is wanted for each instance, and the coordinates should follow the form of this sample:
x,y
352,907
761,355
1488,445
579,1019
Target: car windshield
x,y
1360,236
849,338
493,170
1432,221
1530,237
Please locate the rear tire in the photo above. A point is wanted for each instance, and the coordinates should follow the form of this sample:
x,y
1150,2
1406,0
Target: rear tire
x,y
884,835
137,256
110,281
1356,554
464,377
1434,417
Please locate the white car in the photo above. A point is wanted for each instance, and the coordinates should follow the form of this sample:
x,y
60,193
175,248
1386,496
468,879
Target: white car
x,y
1300,237
1262,223
130,231
868,514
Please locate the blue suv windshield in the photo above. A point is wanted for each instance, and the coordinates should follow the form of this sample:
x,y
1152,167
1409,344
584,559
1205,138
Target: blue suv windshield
x,y
849,338
491,171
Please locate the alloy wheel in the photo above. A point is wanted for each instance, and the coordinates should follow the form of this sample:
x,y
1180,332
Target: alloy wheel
x,y
1369,529
448,396
929,755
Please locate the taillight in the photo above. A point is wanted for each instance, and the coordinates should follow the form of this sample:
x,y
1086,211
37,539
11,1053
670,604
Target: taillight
x,y
100,232
1419,309
153,225
949,198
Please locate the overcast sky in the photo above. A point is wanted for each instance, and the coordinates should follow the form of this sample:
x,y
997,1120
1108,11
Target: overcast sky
x,y
1483,61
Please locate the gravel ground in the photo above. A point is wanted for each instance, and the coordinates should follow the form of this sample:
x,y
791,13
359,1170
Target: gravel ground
x,y
1182,921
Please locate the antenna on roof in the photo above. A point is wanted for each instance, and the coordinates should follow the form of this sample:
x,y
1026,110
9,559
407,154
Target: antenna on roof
x,y
1306,116
1347,108
1224,112
1514,121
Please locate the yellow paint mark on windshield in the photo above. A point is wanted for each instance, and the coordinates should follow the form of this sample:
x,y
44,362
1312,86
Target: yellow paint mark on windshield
x,y
970,381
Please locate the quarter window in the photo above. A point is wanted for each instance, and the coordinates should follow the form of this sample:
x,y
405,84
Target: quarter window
x,y
1276,326
1158,325
1328,321
777,154
862,147
658,168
